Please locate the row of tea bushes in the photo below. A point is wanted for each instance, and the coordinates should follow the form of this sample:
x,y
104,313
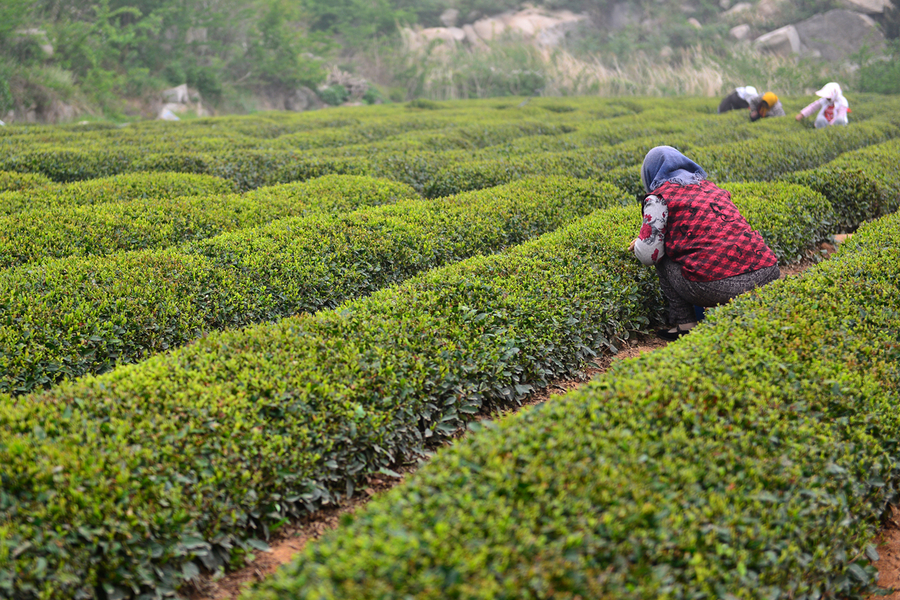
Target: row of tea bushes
x,y
11,181
160,222
762,158
220,147
626,120
66,164
118,188
592,163
772,156
133,475
63,318
751,459
449,137
120,481
861,185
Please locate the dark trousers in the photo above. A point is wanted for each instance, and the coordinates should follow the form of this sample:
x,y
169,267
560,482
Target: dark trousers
x,y
731,102
682,294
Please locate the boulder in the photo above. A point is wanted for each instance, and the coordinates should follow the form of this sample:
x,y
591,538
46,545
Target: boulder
x,y
784,41
871,7
694,23
424,38
740,32
488,29
472,36
737,11
178,94
449,17
724,4
457,33
436,33
839,33
768,10
523,24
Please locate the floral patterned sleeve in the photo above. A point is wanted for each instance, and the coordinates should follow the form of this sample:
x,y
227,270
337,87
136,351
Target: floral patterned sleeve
x,y
650,246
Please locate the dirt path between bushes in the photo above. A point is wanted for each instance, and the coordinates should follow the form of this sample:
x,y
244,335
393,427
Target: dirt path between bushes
x,y
291,539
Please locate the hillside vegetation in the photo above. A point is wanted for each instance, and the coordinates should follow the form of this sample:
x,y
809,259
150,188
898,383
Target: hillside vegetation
x,y
65,61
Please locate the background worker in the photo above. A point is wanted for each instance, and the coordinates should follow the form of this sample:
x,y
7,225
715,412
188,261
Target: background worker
x,y
737,99
832,107
767,105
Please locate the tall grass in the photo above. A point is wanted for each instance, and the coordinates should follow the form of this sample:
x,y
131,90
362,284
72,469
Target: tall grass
x,y
510,67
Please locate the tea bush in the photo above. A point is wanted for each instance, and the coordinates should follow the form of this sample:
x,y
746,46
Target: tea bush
x,y
770,157
144,223
861,185
255,425
11,181
63,318
118,188
752,459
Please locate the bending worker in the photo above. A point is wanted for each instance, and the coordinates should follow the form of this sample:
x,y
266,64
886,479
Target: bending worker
x,y
832,107
737,99
704,251
767,105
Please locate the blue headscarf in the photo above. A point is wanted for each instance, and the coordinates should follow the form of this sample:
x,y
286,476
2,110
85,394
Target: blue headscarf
x,y
665,163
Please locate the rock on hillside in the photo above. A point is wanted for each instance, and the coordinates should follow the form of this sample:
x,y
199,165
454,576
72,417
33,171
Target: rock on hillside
x,y
834,35
541,27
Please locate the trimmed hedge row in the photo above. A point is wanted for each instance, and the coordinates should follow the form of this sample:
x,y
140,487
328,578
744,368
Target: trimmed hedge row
x,y
14,182
162,222
586,163
227,147
64,165
772,156
65,318
861,185
751,459
185,455
120,481
760,158
119,188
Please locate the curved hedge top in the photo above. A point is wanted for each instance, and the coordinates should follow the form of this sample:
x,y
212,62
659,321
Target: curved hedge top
x,y
11,181
312,403
118,188
155,223
751,459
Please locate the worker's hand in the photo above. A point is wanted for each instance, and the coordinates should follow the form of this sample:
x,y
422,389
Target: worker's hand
x,y
799,117
631,245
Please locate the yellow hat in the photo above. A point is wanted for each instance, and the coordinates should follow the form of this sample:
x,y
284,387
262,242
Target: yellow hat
x,y
770,99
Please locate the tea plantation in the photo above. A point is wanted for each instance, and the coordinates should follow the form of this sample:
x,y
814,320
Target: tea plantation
x,y
208,328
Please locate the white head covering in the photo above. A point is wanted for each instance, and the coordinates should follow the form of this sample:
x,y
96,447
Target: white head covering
x,y
832,92
747,92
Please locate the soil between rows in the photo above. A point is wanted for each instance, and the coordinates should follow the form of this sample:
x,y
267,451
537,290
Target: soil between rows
x,y
291,539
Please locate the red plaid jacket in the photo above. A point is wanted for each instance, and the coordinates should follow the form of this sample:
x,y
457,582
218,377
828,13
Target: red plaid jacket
x,y
707,235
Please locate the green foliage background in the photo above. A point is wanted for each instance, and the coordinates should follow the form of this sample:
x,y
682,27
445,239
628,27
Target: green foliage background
x,y
231,51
